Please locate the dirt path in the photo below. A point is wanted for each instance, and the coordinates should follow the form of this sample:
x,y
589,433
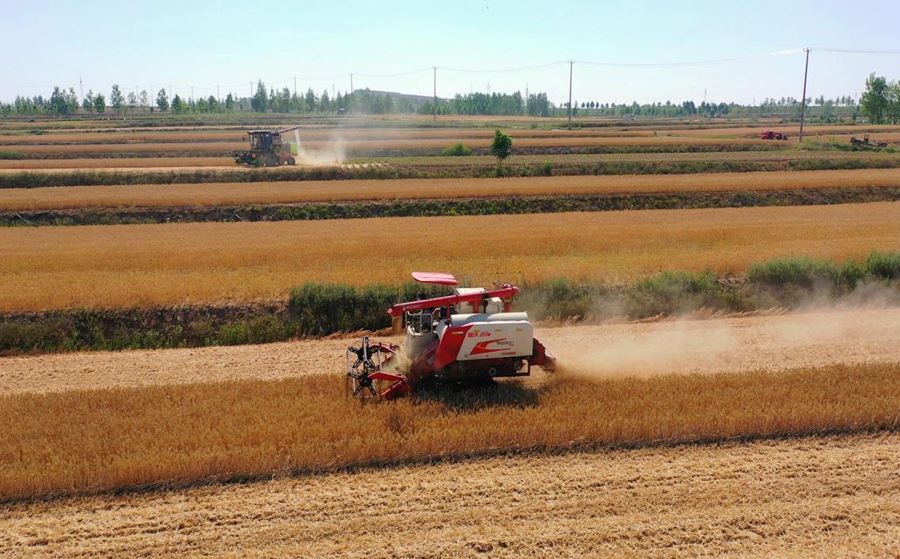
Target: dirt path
x,y
717,345
811,497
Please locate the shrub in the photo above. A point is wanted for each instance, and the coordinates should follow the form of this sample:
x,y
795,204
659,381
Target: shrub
x,y
672,293
800,271
458,149
883,265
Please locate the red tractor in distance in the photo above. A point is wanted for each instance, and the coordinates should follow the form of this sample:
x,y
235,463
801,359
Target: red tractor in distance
x,y
770,135
468,336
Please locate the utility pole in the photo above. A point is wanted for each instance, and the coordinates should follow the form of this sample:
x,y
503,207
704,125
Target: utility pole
x,y
295,86
526,98
351,84
192,95
218,95
435,94
803,101
570,93
81,88
251,90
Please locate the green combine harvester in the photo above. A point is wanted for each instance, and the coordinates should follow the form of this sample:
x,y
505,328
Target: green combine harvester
x,y
268,149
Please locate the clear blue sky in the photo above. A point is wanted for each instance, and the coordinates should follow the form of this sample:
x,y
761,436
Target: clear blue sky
x,y
231,43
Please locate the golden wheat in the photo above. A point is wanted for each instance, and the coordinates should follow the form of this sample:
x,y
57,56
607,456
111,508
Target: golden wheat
x,y
76,442
215,194
136,265
816,497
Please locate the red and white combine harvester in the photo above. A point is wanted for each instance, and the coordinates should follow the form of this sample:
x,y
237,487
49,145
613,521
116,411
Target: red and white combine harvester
x,y
468,336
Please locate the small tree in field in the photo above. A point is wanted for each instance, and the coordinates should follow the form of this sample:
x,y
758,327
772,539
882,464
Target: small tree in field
x,y
501,146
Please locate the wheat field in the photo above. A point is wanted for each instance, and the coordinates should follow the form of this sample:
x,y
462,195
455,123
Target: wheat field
x,y
216,194
177,435
151,265
817,497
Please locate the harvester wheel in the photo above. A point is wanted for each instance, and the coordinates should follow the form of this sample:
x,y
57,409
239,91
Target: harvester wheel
x,y
291,161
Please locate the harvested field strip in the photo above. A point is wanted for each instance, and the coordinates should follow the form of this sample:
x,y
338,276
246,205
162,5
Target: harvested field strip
x,y
579,158
769,341
117,163
233,194
813,497
84,442
307,134
473,160
562,158
155,265
363,145
793,129
417,207
235,134
380,170
223,147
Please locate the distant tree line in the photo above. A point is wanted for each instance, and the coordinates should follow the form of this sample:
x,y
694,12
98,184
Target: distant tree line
x,y
881,100
880,103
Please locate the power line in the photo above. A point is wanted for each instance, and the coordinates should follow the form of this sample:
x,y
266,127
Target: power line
x,y
691,63
856,51
398,74
503,70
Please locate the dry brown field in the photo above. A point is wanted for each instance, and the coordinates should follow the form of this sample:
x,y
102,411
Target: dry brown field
x,y
136,265
404,144
116,163
165,163
307,134
812,498
217,194
772,342
347,132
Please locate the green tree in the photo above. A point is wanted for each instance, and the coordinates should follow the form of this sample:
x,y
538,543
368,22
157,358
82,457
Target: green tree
x,y
162,100
260,100
100,103
116,99
892,110
501,146
311,100
132,100
874,100
145,100
88,102
229,103
58,104
178,105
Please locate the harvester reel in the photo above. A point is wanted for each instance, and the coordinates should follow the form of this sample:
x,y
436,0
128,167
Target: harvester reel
x,y
367,379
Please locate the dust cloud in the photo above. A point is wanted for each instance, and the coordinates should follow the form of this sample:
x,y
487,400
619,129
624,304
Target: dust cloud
x,y
334,154
772,343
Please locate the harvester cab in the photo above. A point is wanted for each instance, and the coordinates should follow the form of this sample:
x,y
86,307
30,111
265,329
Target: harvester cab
x,y
268,149
471,335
